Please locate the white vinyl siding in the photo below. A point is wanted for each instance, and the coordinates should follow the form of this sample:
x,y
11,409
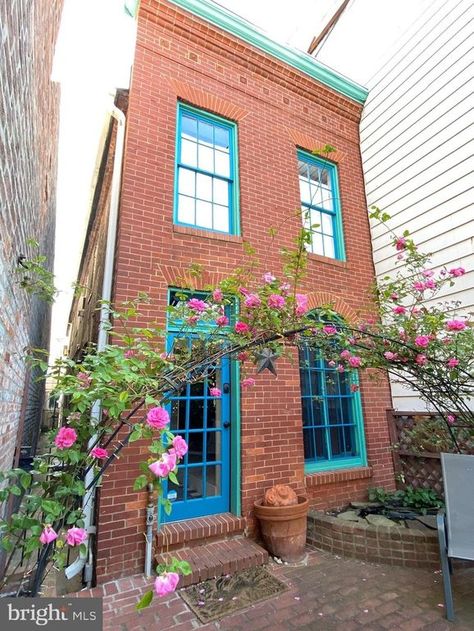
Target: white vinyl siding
x,y
417,148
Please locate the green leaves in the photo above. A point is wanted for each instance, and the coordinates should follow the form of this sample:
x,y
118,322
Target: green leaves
x,y
140,482
145,600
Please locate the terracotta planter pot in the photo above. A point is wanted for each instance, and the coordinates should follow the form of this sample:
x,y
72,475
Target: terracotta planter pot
x,y
283,528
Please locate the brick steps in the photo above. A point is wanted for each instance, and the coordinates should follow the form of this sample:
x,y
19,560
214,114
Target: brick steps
x,y
192,532
217,558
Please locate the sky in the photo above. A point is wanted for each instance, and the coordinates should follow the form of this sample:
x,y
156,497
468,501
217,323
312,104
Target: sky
x,y
94,54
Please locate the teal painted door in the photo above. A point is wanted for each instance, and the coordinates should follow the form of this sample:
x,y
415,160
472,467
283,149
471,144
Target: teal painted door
x,y
203,421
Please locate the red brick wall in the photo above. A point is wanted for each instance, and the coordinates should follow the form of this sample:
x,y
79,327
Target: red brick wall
x,y
178,56
29,122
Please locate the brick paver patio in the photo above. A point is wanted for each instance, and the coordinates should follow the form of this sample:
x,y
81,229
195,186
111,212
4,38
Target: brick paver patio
x,y
328,593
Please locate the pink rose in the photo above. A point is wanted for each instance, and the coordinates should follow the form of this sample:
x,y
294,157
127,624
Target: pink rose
x,y
453,362
180,446
99,453
242,356
215,392
401,243
192,320
48,535
301,304
331,364
197,305
389,356
268,278
430,283
354,387
451,419
65,438
399,310
275,301
329,329
285,287
422,340
241,327
248,383
427,273
222,320
158,418
252,301
75,536
340,368
165,464
457,271
421,360
354,361
455,325
419,285
394,296
217,295
244,291
129,354
345,354
166,583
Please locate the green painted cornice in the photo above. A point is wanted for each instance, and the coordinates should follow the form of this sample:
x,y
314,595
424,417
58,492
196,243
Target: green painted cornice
x,y
232,23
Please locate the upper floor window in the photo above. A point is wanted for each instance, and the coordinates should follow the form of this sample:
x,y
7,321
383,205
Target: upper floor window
x,y
320,205
206,194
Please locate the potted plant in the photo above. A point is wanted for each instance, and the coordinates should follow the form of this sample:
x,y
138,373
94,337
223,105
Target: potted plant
x,y
283,519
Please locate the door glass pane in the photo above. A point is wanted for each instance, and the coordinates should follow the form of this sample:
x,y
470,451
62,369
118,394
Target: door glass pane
x,y
195,483
196,407
176,493
213,480
213,412
178,415
213,446
195,446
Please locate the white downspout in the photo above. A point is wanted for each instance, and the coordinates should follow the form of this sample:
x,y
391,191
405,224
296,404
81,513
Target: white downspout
x,y
89,498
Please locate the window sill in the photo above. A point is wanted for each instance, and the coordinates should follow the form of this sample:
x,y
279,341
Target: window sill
x,y
331,477
207,234
318,258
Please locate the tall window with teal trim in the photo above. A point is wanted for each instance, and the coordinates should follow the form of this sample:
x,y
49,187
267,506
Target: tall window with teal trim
x,y
333,433
320,205
206,193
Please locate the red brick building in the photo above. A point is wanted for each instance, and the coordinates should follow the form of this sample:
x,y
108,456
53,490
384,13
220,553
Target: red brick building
x,y
221,123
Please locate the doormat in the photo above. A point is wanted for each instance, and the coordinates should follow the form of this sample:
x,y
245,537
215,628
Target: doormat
x,y
223,596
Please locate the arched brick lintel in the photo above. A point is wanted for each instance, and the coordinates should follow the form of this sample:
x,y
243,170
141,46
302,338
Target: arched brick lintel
x,y
183,278
310,143
320,298
205,100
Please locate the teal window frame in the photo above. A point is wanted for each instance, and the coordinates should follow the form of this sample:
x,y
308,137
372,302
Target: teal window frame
x,y
323,371
335,213
232,180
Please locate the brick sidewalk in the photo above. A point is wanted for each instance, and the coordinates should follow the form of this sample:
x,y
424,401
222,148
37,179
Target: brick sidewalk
x,y
328,593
